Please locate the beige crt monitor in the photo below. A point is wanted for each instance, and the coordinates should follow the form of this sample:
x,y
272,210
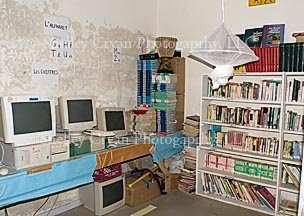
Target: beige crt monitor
x,y
112,119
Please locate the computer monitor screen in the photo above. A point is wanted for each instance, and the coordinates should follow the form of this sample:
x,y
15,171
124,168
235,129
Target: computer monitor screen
x,y
31,117
115,120
80,111
113,193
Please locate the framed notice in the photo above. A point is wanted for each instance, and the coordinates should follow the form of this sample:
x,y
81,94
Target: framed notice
x,y
260,2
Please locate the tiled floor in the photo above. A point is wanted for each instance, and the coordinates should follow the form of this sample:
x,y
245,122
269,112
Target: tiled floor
x,y
177,204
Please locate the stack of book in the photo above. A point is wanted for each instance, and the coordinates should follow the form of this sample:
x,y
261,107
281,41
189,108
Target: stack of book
x,y
241,141
266,90
293,150
265,117
237,190
145,69
191,126
145,122
164,101
186,183
292,57
294,121
295,91
288,208
291,175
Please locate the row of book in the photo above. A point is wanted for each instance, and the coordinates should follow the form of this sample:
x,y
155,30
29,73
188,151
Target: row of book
x,y
291,57
255,170
236,190
228,164
291,175
265,117
266,90
288,208
269,60
294,121
186,182
293,149
240,141
295,91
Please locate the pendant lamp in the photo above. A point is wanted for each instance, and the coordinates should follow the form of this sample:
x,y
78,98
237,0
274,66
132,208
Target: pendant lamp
x,y
223,50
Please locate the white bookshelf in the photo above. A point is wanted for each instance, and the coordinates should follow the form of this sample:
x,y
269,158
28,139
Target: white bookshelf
x,y
280,190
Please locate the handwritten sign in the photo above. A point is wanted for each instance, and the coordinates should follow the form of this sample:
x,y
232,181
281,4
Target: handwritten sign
x,y
61,49
56,26
45,73
260,2
117,55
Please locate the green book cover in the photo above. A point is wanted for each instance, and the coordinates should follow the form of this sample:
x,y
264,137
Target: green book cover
x,y
282,57
296,57
286,57
301,56
291,57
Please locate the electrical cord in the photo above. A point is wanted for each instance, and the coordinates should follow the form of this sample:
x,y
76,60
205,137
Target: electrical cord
x,y
2,157
41,206
53,205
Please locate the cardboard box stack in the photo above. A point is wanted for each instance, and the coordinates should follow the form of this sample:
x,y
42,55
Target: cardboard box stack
x,y
164,102
143,120
145,68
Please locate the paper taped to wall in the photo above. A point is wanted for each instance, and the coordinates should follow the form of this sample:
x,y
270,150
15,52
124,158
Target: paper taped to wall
x,y
45,73
56,26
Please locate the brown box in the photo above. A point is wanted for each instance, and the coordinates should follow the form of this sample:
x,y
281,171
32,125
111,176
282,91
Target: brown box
x,y
180,121
171,183
141,192
180,106
179,67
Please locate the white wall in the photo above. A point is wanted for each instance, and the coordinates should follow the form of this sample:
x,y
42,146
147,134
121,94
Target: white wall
x,y
90,72
192,20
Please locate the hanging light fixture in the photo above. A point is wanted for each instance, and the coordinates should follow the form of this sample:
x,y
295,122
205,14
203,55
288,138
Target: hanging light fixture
x,y
223,50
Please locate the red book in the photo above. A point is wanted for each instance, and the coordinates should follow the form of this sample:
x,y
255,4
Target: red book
x,y
267,197
257,63
272,54
277,55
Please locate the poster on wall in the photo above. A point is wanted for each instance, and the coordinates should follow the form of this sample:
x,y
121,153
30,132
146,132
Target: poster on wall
x,y
260,2
45,73
117,55
61,49
56,26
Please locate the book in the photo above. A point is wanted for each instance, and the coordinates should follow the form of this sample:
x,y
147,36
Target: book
x,y
267,197
253,37
273,35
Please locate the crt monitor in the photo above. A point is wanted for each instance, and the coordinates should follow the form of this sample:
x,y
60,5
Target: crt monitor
x,y
77,113
26,120
112,120
104,197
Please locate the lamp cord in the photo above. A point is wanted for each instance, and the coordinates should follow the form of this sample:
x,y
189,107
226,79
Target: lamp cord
x,y
223,11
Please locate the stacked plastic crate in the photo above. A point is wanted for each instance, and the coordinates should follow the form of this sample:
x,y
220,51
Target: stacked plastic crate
x,y
164,102
145,69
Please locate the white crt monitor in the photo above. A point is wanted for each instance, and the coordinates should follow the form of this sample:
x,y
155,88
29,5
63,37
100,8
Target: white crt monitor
x,y
26,120
104,197
77,113
112,120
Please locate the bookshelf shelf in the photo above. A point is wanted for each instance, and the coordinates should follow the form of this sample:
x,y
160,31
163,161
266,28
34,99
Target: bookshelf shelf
x,y
238,177
241,127
267,159
242,101
238,203
212,106
294,104
289,188
272,74
301,133
291,162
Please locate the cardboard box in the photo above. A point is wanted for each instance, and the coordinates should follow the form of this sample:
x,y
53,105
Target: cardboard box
x,y
171,183
179,67
180,107
141,192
